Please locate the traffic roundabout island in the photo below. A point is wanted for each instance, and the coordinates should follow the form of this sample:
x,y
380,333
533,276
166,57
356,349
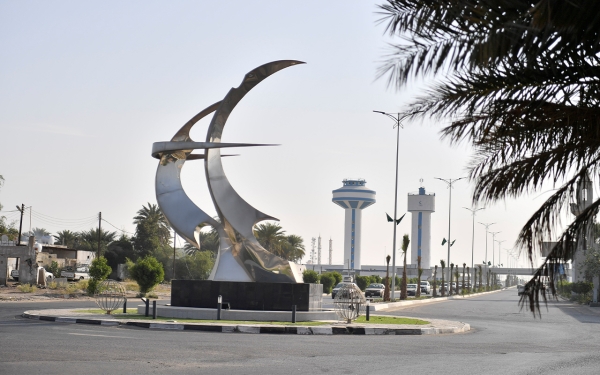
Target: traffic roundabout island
x,y
378,325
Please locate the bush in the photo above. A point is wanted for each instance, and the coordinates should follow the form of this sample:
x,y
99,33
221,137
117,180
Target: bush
x,y
338,277
375,279
363,282
310,276
581,287
26,288
147,272
328,281
99,271
53,269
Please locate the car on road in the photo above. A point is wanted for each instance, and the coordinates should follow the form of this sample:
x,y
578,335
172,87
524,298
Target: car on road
x,y
425,287
337,288
14,274
375,290
76,273
411,289
520,289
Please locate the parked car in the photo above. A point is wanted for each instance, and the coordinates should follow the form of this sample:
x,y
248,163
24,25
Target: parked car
x,y
14,274
375,290
77,273
335,290
425,287
520,289
411,289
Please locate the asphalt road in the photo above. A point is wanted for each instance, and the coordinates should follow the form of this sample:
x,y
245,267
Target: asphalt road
x,y
503,341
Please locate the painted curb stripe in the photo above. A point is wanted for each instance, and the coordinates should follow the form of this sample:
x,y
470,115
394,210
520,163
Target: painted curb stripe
x,y
264,329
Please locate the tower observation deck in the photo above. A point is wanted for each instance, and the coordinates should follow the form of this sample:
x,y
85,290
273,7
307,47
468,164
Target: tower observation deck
x,y
353,197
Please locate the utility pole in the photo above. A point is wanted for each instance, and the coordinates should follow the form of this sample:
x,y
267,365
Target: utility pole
x,y
449,182
330,250
397,126
22,210
99,231
473,212
499,248
493,251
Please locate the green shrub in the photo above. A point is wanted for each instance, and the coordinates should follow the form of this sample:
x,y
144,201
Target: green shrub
x,y
328,282
338,277
147,272
53,269
99,270
375,279
310,276
581,287
363,282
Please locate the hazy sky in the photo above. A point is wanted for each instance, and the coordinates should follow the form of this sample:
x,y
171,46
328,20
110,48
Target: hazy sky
x,y
87,87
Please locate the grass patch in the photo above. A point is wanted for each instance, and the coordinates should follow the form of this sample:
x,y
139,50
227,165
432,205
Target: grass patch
x,y
390,320
26,288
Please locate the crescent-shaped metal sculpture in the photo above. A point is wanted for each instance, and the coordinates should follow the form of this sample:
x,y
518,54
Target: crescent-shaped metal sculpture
x,y
240,256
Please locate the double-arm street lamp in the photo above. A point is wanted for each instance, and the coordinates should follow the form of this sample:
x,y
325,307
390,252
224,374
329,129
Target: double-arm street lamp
x,y
473,212
449,182
493,252
396,117
499,248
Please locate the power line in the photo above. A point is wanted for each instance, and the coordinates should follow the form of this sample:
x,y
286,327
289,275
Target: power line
x,y
122,230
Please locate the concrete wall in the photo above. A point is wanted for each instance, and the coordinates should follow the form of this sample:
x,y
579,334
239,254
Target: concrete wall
x,y
27,262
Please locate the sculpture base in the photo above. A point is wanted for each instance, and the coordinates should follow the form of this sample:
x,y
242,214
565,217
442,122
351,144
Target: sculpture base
x,y
247,295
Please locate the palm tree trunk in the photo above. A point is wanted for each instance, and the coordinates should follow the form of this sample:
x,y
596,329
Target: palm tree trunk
x,y
435,281
418,293
403,294
463,278
451,275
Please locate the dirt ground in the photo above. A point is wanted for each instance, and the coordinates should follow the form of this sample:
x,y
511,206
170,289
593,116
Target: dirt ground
x,y
11,292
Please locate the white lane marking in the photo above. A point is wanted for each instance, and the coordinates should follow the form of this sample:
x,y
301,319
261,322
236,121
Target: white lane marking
x,y
87,334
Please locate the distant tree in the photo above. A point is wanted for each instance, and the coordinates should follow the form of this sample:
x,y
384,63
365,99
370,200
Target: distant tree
x,y
53,268
209,241
404,247
310,276
338,277
328,282
293,248
152,215
99,270
152,233
88,240
451,276
66,238
443,265
362,282
147,272
273,239
120,250
40,232
196,266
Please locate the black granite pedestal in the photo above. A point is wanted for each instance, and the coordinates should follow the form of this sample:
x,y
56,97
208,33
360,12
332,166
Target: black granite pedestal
x,y
247,296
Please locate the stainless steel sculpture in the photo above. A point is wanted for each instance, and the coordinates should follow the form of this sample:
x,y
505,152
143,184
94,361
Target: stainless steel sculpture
x,y
240,256
349,302
110,295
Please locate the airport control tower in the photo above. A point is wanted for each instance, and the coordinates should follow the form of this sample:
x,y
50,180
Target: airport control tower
x,y
421,206
353,197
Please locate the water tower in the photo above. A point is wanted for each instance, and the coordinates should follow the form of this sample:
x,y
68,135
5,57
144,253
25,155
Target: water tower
x,y
421,206
353,197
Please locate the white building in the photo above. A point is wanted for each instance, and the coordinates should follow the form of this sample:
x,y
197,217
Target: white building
x,y
353,197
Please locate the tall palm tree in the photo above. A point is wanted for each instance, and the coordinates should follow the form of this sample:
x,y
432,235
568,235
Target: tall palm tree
x,y
66,238
522,89
386,292
469,279
271,237
40,232
152,215
435,281
88,240
456,275
443,264
463,277
474,287
293,248
404,247
480,278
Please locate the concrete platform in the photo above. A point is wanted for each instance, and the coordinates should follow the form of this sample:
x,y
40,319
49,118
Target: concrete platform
x,y
205,314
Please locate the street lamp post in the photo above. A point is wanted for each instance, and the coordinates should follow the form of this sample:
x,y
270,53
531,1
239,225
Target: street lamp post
x,y
473,212
449,182
499,248
397,126
493,251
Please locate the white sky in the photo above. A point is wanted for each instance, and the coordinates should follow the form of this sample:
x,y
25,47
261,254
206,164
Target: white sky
x,y
87,87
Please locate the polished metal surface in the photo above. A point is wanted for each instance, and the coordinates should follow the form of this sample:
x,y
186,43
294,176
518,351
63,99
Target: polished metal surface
x,y
349,302
110,295
240,256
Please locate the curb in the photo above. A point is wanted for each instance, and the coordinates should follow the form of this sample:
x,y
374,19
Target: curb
x,y
256,329
383,306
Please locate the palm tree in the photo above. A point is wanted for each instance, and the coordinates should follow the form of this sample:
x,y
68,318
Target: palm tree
x,y
463,278
404,247
386,292
153,216
451,276
456,275
66,238
512,94
293,248
469,279
40,232
443,264
88,240
435,281
480,281
271,237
